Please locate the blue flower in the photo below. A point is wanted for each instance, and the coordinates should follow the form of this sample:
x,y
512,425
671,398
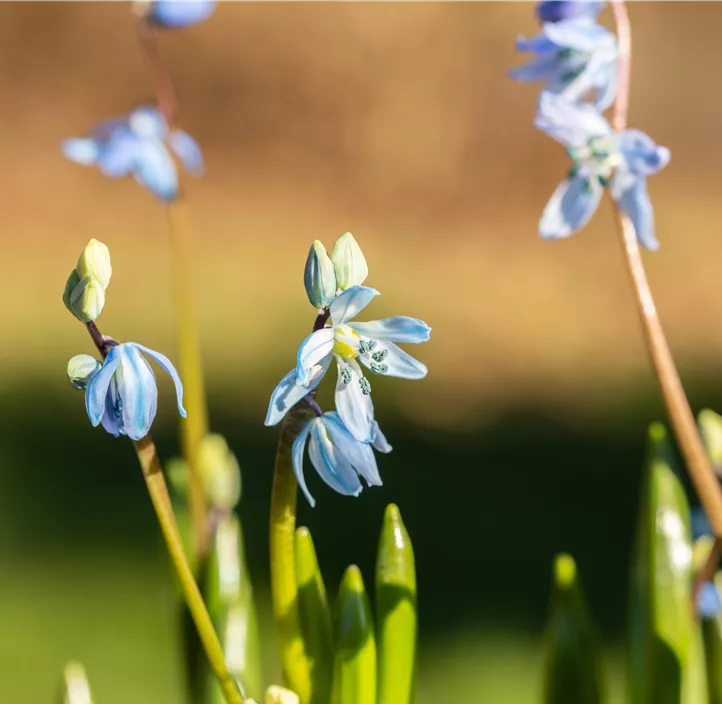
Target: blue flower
x,y
709,603
601,158
123,395
573,57
180,13
138,145
559,10
349,343
339,458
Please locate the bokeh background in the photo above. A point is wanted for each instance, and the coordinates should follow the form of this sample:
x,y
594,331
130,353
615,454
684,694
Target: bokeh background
x,y
395,121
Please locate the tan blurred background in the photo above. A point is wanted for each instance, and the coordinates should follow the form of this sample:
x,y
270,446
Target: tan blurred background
x,y
395,121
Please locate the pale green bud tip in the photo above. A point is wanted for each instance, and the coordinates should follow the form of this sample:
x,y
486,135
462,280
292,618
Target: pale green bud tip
x,y
281,695
81,369
352,582
87,299
319,277
220,472
306,560
70,284
349,262
565,571
710,425
75,685
95,260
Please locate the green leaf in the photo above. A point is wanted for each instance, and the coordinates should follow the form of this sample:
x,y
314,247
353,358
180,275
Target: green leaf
x,y
572,662
396,618
315,614
666,662
712,635
74,688
228,593
354,666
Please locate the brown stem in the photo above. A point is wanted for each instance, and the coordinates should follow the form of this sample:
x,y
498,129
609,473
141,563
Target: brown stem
x,y
164,90
675,400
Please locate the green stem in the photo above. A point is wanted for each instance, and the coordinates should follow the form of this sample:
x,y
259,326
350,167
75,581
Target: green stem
x,y
294,662
150,464
195,428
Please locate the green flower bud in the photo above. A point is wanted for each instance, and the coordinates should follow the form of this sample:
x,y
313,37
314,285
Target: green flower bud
x,y
349,262
81,369
219,469
95,260
70,284
87,299
75,688
319,277
710,425
280,695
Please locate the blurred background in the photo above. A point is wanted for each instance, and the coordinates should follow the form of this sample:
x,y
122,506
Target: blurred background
x,y
395,121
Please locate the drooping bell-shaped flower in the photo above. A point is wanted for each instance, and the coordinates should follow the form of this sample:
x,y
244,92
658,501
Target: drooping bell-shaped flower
x,y
601,159
347,343
138,144
123,394
560,10
573,58
174,14
339,458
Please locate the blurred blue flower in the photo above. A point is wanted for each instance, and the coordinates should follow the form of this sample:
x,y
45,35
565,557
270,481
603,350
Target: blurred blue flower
x,y
180,13
349,343
559,10
339,458
709,603
123,394
573,57
138,145
600,158
700,523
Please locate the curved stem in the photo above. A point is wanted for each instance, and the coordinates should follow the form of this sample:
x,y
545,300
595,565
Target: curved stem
x,y
675,400
150,464
190,366
163,84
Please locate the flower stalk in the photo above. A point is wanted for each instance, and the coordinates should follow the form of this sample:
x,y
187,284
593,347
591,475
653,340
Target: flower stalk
x,y
675,400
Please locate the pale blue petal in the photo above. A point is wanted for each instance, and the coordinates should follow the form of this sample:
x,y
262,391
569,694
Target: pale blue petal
x,y
709,603
630,192
641,153
299,445
313,351
167,366
113,417
138,392
117,157
355,408
538,44
332,466
379,441
559,10
358,453
350,303
288,393
581,35
400,364
572,124
180,13
97,390
606,81
400,328
155,170
542,68
187,150
570,207
147,123
82,151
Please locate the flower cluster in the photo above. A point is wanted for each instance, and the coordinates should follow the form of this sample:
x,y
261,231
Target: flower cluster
x,y
577,59
121,392
341,441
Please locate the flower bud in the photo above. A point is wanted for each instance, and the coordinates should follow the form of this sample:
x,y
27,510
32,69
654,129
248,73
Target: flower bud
x,y
349,262
319,277
95,260
70,284
219,469
87,299
280,695
81,369
75,688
